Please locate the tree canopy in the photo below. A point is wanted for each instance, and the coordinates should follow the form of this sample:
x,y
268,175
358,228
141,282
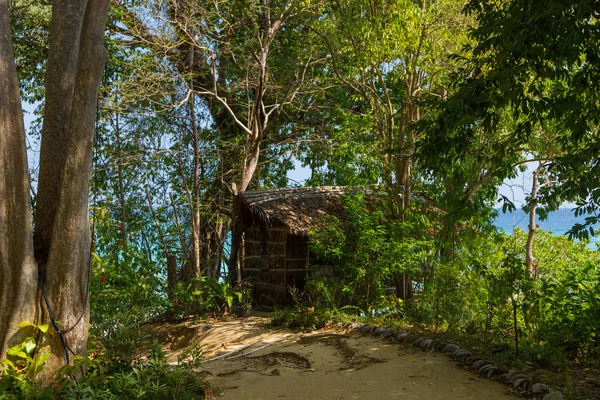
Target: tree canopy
x,y
122,196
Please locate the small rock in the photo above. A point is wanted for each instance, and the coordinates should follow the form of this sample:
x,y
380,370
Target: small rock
x,y
368,329
440,345
419,340
378,331
411,338
478,364
494,371
519,376
553,396
511,373
426,343
484,367
540,388
391,332
461,353
450,348
275,372
519,382
471,359
401,337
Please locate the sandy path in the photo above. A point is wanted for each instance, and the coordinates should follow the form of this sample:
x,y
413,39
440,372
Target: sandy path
x,y
328,365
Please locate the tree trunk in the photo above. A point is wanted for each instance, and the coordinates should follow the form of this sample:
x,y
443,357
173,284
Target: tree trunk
x,y
18,271
171,277
533,202
76,61
61,74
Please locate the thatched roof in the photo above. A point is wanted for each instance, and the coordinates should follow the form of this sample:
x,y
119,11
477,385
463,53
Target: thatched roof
x,y
296,208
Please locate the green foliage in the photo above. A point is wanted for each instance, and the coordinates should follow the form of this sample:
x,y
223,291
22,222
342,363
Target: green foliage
x,y
527,74
23,363
209,295
487,285
366,249
125,365
305,319
125,282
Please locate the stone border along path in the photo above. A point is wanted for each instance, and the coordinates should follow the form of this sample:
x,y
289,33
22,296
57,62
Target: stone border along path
x,y
518,380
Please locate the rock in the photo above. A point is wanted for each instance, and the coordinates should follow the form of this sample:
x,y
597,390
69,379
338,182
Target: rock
x,y
494,371
478,364
513,378
401,337
378,331
419,340
511,373
389,332
410,338
553,396
426,343
275,372
540,388
439,345
461,353
485,366
520,383
450,348
471,359
367,329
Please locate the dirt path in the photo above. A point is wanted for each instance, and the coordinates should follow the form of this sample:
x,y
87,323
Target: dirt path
x,y
321,365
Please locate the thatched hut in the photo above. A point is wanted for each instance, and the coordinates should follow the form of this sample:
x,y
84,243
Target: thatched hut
x,y
275,243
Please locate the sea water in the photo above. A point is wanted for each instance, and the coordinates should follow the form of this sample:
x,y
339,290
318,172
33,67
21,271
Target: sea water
x,y
558,222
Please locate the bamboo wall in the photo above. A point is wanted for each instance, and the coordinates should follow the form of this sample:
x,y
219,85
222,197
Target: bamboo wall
x,y
274,260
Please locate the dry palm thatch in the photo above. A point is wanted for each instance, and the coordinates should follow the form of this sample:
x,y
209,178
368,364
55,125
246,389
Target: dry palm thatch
x,y
298,208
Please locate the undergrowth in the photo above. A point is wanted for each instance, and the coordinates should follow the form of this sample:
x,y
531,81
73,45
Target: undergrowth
x,y
124,364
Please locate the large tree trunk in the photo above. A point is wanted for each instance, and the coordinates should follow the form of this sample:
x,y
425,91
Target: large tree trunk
x,y
18,271
61,74
63,229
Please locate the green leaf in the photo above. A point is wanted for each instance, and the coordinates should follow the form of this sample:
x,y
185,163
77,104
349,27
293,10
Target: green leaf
x,y
42,359
13,351
43,328
30,346
24,324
